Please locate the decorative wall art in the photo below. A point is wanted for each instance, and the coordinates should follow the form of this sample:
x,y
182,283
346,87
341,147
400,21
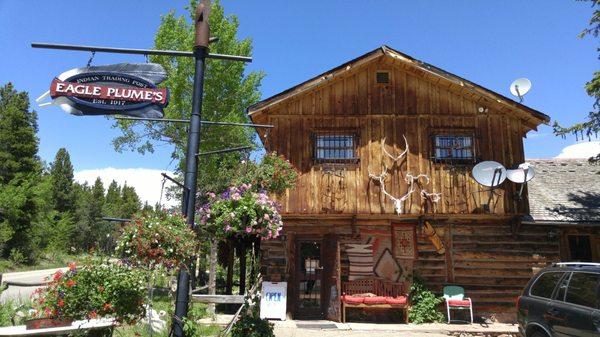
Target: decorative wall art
x,y
361,261
387,267
404,243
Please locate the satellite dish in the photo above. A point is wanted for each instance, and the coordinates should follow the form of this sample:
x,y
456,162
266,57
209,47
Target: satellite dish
x,y
522,174
489,173
520,87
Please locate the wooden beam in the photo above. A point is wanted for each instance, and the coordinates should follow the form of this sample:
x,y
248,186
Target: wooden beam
x,y
231,299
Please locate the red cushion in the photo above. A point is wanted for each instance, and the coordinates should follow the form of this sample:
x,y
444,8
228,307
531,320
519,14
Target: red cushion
x,y
459,303
352,299
400,300
375,300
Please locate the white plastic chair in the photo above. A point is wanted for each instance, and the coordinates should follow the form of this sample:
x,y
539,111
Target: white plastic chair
x,y
456,300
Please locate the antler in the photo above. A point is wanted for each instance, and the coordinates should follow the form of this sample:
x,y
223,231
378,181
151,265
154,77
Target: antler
x,y
382,176
411,179
434,197
394,158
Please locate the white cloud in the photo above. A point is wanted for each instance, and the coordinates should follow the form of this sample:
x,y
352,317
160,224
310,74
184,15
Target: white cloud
x,y
580,150
147,182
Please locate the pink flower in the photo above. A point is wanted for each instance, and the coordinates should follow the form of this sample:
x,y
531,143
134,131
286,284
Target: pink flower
x,y
248,229
211,195
267,217
227,228
236,196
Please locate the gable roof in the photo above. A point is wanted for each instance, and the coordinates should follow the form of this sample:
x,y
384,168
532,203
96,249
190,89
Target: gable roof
x,y
564,190
384,50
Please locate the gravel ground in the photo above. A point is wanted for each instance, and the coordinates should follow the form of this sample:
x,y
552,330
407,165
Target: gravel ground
x,y
295,332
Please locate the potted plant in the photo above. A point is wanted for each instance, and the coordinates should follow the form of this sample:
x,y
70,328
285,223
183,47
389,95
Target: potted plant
x,y
97,289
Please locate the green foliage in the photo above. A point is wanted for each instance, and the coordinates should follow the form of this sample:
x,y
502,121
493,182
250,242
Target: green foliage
x,y
592,125
157,239
273,174
228,90
424,304
19,172
61,172
18,139
252,326
96,289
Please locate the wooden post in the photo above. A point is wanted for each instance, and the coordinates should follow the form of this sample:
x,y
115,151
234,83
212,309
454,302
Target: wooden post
x,y
242,255
212,276
230,266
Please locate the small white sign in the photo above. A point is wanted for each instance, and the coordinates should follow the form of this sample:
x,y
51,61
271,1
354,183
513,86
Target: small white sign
x,y
273,300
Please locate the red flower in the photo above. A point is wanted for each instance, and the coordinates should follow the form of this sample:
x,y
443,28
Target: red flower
x,y
61,303
72,266
93,314
70,283
58,275
107,307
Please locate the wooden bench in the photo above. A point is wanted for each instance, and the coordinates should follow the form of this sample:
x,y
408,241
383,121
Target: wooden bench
x,y
388,294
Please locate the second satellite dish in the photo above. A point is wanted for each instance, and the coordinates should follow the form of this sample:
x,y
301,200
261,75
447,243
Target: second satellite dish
x,y
520,87
522,174
489,173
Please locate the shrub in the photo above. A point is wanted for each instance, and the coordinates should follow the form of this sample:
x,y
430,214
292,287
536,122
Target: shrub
x,y
93,290
424,304
252,326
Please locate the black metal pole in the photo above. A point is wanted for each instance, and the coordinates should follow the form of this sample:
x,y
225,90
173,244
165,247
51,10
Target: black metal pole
x,y
191,165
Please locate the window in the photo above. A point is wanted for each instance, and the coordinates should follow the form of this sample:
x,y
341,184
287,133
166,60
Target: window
x,y
447,147
545,284
383,77
562,288
580,248
583,290
335,147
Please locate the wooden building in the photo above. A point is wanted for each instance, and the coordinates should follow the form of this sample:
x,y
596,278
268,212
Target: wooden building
x,y
385,145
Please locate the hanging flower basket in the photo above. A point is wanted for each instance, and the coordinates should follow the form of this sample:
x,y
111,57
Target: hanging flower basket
x,y
241,213
157,239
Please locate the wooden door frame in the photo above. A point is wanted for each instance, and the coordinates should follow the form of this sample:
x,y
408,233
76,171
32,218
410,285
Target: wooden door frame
x,y
297,240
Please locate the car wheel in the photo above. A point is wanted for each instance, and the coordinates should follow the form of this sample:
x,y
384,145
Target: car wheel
x,y
538,334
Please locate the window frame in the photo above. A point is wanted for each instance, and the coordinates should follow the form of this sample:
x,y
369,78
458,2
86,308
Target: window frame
x,y
569,286
435,133
553,293
335,132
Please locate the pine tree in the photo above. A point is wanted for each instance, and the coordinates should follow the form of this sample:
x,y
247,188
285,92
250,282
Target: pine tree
x,y
89,228
130,202
61,171
20,170
112,204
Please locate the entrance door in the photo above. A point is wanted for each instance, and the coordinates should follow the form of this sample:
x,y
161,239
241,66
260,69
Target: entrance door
x,y
309,278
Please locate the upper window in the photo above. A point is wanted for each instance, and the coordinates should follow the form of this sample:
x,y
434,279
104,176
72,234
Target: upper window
x,y
583,290
449,147
383,77
545,284
335,147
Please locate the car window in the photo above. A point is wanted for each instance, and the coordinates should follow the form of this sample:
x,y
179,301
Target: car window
x,y
583,290
545,284
562,288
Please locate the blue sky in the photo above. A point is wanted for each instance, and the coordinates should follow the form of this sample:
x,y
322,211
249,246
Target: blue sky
x,y
488,42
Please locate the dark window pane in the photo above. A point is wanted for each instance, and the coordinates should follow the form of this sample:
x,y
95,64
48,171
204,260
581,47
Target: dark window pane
x,y
583,290
580,248
459,147
545,284
334,147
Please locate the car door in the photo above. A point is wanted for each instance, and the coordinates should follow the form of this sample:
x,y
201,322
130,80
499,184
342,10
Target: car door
x,y
536,303
574,314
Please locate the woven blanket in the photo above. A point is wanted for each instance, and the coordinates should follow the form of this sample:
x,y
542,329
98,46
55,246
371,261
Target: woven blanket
x,y
361,261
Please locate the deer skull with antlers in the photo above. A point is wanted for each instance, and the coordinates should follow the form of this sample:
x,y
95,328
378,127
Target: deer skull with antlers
x,y
410,179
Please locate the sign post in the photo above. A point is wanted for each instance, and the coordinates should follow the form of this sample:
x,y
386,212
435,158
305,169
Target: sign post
x,y
193,146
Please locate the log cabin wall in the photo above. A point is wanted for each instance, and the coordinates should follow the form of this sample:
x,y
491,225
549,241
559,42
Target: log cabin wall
x,y
410,105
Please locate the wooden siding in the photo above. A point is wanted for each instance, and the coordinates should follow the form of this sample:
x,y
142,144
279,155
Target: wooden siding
x,y
409,105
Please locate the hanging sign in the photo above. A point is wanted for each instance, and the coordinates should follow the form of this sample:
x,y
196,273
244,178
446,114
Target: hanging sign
x,y
123,89
273,300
